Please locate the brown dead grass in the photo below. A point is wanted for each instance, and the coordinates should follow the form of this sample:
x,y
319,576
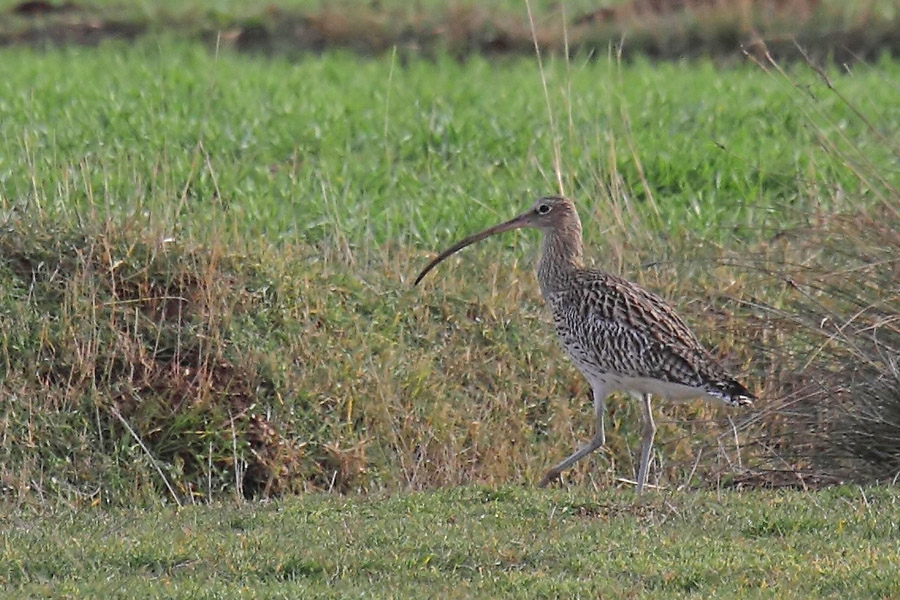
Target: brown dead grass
x,y
122,326
663,29
836,406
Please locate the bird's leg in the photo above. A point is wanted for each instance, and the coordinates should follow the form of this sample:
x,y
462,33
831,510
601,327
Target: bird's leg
x,y
598,440
646,442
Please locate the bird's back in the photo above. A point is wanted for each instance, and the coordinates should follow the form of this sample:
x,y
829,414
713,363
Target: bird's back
x,y
616,331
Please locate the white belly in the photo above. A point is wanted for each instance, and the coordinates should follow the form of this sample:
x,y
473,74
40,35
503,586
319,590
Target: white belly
x,y
655,387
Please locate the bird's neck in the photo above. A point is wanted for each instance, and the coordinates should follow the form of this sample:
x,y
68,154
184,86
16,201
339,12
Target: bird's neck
x,y
561,254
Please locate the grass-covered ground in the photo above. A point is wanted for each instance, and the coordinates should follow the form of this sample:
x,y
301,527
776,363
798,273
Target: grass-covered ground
x,y
205,269
469,542
207,260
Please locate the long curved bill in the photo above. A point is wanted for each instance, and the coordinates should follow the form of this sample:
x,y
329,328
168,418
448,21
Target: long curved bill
x,y
515,223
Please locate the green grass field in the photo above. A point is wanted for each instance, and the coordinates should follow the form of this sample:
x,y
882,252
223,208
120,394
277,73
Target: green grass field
x,y
374,151
205,295
469,542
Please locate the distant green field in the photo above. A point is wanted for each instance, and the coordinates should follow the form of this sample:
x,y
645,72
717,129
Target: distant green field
x,y
377,151
468,543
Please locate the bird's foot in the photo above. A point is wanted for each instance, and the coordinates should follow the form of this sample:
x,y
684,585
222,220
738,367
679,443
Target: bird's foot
x,y
549,478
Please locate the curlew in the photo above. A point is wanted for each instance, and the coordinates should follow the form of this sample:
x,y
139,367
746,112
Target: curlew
x,y
620,336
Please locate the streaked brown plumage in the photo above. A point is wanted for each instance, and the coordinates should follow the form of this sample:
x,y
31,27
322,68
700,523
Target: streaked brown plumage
x,y
620,336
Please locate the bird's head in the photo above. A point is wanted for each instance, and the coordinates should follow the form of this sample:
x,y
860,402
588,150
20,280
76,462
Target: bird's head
x,y
550,213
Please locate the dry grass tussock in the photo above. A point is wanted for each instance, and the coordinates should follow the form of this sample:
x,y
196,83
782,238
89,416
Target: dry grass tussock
x,y
828,296
111,337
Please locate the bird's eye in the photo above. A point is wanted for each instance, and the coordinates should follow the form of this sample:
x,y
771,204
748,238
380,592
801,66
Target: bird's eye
x,y
543,209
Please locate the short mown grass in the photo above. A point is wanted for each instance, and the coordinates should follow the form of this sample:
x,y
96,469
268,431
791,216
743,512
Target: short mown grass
x,y
468,542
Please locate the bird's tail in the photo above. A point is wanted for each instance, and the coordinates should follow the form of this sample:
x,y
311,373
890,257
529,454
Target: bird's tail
x,y
736,394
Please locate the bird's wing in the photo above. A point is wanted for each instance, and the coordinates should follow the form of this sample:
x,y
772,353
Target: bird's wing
x,y
600,295
622,328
